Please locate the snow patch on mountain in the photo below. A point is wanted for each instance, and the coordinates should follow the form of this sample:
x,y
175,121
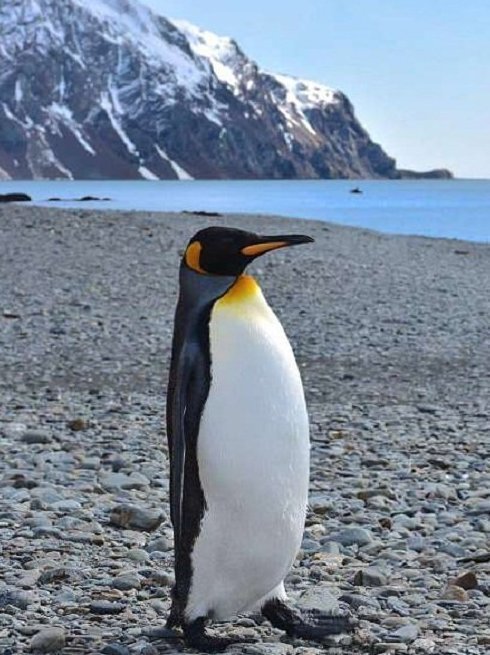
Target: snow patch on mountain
x,y
220,51
146,174
108,107
181,173
64,115
301,96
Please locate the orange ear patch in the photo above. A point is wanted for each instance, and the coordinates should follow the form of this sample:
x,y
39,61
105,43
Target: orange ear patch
x,y
193,256
260,248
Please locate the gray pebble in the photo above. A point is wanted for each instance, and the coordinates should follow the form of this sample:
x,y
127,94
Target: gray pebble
x,y
405,634
115,649
138,555
352,536
126,582
370,577
48,640
160,544
133,516
15,598
36,437
106,607
320,597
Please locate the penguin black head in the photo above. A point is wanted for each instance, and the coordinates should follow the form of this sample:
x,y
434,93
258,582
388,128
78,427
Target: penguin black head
x,y
227,251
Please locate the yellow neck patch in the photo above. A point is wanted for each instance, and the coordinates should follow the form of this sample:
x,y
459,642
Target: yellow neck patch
x,y
244,289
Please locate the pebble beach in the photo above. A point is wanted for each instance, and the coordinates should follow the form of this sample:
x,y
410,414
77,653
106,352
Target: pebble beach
x,y
392,337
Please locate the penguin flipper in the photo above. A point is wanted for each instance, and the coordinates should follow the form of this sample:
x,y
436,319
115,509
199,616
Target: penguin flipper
x,y
185,423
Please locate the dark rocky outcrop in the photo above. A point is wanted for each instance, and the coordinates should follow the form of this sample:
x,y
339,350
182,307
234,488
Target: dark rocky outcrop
x,y
15,197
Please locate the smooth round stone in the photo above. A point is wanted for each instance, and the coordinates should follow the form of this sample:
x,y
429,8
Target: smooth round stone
x,y
115,649
66,597
126,582
138,555
157,606
36,437
38,521
404,521
14,597
353,536
135,517
417,543
331,547
48,640
160,544
13,430
309,545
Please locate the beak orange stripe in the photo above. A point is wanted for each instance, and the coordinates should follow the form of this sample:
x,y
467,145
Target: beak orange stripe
x,y
192,257
260,248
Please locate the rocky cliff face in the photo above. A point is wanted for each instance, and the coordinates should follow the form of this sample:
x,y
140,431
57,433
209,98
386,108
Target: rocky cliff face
x,y
108,89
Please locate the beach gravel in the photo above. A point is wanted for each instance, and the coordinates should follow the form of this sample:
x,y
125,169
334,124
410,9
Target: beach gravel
x,y
392,339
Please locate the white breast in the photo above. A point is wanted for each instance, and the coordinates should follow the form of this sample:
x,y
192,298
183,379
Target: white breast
x,y
253,456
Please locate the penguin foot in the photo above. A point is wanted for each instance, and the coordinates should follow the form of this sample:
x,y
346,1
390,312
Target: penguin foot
x,y
195,636
307,624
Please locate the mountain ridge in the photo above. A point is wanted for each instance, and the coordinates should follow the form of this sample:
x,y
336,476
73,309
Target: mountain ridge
x,y
116,91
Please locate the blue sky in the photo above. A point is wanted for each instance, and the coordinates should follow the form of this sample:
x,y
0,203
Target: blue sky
x,y
417,71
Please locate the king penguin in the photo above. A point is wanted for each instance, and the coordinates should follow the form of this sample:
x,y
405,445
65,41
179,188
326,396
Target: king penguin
x,y
238,435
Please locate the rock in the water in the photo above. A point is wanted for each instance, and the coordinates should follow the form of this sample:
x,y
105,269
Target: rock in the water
x,y
15,197
132,516
48,640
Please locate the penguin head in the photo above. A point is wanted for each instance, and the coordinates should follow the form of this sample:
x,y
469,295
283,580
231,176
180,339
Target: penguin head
x,y
227,251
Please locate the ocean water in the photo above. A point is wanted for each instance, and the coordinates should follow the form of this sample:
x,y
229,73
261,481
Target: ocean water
x,y
437,208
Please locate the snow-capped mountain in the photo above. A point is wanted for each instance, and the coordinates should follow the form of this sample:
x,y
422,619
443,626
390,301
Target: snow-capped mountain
x,y
108,89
